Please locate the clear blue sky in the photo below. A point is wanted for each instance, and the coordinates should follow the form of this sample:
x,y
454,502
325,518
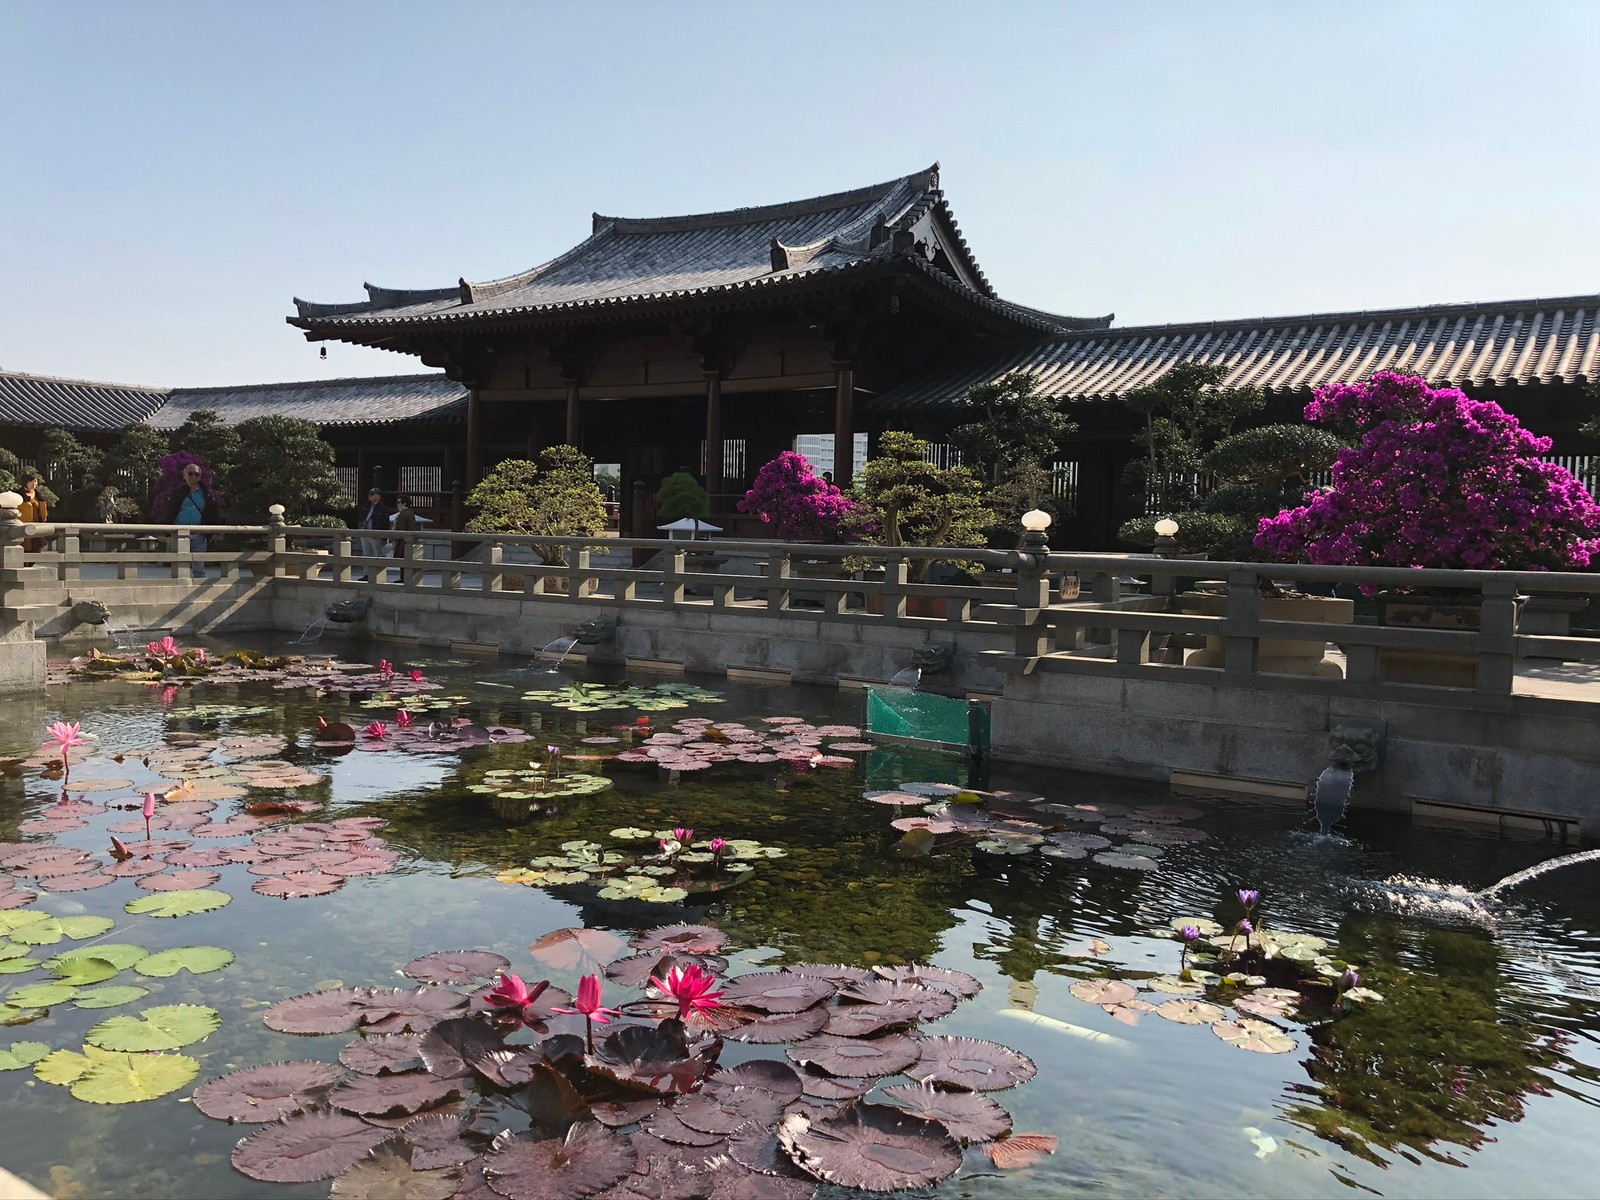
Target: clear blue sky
x,y
175,173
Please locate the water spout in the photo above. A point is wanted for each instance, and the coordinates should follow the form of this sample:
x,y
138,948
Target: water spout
x,y
312,633
1330,795
564,645
121,635
1538,869
911,678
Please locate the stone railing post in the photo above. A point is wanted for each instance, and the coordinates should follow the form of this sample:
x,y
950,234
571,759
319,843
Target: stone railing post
x,y
1497,637
896,574
493,559
343,572
11,531
277,542
1241,643
577,570
415,555
778,573
672,577
1032,634
178,550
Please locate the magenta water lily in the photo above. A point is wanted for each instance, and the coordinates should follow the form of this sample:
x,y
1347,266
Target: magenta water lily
x,y
66,736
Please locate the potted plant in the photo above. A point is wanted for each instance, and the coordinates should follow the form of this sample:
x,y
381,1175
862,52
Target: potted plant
x,y
1436,479
907,501
555,497
681,496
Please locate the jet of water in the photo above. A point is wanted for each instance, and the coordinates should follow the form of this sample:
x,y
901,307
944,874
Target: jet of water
x,y
911,677
312,634
1330,796
563,644
1538,869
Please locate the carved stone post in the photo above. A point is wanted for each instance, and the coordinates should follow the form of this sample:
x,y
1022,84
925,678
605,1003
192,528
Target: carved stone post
x,y
277,541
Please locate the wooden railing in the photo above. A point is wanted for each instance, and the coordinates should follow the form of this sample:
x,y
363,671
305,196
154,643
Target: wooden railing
x,y
1125,616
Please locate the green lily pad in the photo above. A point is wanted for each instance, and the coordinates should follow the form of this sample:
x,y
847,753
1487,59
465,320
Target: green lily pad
x,y
177,904
1298,953
119,954
13,950
18,917
1206,926
22,1054
561,877
18,966
84,969
198,960
64,1066
52,929
129,1078
42,995
580,844
165,1027
1003,846
1176,986
630,833
1363,995
110,996
663,895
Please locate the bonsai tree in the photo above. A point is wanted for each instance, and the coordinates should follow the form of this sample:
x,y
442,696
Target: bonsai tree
x,y
1257,472
288,464
130,467
797,504
1018,436
680,496
204,434
72,470
552,498
1437,480
910,502
1186,412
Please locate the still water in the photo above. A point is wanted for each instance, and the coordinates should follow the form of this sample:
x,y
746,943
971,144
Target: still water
x,y
1477,1075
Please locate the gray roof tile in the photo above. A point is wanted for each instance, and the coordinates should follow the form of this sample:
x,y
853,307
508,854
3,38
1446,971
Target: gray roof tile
x,y
370,401
44,401
1505,342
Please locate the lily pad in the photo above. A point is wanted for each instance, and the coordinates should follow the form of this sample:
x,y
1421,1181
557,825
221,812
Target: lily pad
x,y
118,954
307,1146
41,995
971,1063
177,904
198,960
589,1159
129,1078
871,1146
109,996
402,1092
1021,1150
1173,985
1190,1012
1103,991
855,1057
576,949
265,1093
1249,1034
456,966
22,1054
81,969
165,1027
969,1116
777,991
52,929
388,1172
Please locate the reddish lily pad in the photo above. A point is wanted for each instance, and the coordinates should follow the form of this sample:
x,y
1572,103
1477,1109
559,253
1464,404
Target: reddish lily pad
x,y
589,1159
838,972
855,1057
307,1146
969,1116
777,991
1251,1034
871,1146
1021,1150
335,1011
435,1141
401,1092
1189,1012
76,883
383,1053
927,1003
456,966
454,1048
178,881
1103,991
387,1172
265,1093
682,939
298,884
1129,1011
972,1063
576,949
783,1027
779,1078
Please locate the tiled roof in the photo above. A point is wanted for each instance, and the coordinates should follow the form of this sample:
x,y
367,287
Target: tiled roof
x,y
628,261
1507,342
374,401
45,401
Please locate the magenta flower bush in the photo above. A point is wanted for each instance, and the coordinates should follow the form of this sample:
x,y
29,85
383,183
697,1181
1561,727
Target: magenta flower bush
x,y
797,503
1437,480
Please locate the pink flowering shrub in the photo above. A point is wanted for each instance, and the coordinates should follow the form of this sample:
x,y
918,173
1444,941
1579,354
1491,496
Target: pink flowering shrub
x,y
799,504
1437,480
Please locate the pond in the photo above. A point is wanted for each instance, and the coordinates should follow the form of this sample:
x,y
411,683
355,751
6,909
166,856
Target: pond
x,y
1474,1048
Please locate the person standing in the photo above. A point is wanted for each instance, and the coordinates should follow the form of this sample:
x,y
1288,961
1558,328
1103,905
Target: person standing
x,y
194,506
405,521
33,509
374,518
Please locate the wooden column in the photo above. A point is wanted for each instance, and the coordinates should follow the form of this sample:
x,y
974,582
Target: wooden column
x,y
574,416
474,438
714,436
844,430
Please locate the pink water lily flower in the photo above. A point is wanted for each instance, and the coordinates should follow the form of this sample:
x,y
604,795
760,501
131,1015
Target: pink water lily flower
x,y
588,1003
683,835
692,987
514,994
149,805
403,719
416,677
167,647
377,731
200,654
385,668
66,737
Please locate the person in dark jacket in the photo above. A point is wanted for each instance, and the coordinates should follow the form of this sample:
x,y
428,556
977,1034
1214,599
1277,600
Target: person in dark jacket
x,y
373,519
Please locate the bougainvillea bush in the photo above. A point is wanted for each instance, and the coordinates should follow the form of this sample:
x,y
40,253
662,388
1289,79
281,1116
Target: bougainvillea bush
x,y
1437,480
797,503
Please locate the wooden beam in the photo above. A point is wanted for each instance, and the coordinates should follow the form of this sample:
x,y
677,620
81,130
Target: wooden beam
x,y
574,415
844,429
713,434
474,438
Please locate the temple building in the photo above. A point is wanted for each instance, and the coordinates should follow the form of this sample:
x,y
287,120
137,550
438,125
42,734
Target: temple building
x,y
710,343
